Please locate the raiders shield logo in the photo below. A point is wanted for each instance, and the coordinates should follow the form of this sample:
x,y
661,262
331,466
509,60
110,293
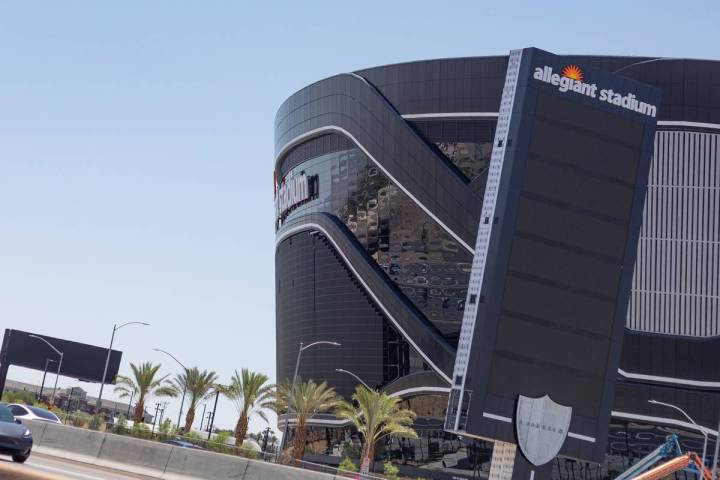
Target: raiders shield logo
x,y
542,426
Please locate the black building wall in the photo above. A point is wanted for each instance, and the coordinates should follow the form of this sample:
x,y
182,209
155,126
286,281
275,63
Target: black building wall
x,y
397,113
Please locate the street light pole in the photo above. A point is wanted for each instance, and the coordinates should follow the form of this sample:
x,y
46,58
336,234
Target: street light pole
x,y
107,359
292,388
42,385
182,402
702,429
342,370
714,475
59,364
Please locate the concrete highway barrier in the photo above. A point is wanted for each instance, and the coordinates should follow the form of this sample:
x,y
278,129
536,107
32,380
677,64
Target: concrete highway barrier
x,y
154,459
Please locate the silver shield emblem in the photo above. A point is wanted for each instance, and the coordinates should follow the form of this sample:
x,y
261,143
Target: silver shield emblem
x,y
542,426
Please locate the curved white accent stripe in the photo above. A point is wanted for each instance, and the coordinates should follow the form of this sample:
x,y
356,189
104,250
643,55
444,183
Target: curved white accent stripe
x,y
665,123
669,421
679,123
311,226
676,381
329,128
418,116
584,438
420,390
499,418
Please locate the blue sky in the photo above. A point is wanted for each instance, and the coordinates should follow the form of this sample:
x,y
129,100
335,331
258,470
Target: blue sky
x,y
136,147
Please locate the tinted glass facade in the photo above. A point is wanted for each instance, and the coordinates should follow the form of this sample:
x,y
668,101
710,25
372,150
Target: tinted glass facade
x,y
401,155
423,261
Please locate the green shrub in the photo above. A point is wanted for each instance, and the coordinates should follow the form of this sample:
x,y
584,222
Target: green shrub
x,y
247,451
96,421
79,419
218,443
120,426
390,470
347,465
140,430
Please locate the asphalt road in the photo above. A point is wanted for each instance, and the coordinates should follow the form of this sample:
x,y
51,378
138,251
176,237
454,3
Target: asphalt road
x,y
41,467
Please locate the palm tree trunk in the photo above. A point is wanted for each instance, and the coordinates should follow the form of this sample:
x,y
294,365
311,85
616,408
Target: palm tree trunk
x,y
367,460
189,419
241,429
139,410
299,442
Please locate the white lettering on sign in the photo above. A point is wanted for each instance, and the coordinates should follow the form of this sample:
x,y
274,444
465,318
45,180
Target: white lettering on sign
x,y
292,192
571,80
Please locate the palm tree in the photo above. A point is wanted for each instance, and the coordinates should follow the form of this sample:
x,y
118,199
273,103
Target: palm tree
x,y
376,416
250,393
198,385
144,384
308,399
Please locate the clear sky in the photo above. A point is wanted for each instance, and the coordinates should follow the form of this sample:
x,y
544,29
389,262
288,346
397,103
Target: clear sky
x,y
136,147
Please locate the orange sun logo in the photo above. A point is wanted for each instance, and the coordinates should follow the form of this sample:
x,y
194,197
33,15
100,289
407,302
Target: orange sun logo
x,y
574,72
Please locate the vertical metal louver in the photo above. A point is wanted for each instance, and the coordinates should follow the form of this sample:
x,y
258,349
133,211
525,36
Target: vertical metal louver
x,y
676,284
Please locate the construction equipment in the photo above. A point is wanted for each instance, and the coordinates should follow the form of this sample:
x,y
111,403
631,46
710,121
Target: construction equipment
x,y
675,465
669,449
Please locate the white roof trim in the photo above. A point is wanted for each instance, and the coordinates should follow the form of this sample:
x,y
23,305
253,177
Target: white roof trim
x,y
668,421
420,390
329,128
676,381
419,116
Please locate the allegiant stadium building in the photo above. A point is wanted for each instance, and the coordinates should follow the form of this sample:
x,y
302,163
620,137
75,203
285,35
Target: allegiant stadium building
x,y
379,183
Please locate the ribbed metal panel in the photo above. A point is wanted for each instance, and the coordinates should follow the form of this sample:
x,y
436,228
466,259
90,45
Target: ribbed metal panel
x,y
676,285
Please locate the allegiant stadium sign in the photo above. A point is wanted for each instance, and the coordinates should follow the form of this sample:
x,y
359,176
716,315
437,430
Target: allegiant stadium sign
x,y
293,192
571,80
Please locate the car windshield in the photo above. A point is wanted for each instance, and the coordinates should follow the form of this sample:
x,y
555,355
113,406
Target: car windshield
x,y
5,414
43,413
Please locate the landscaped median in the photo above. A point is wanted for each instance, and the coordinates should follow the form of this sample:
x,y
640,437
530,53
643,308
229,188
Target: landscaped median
x,y
154,459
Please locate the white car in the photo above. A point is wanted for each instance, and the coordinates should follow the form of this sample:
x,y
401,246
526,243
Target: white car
x,y
27,412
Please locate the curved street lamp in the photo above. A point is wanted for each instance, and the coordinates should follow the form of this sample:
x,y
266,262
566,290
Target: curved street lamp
x,y
57,375
702,429
182,402
292,388
342,370
98,405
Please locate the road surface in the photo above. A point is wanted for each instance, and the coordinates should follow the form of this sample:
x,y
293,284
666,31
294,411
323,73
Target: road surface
x,y
42,467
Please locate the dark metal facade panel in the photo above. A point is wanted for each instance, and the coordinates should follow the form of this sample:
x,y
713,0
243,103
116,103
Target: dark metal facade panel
x,y
348,102
408,318
318,299
691,88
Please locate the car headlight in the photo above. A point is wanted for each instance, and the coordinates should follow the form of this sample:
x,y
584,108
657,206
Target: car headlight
x,y
26,433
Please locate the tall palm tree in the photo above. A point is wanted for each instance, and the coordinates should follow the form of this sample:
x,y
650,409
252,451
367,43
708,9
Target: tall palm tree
x,y
144,383
251,393
198,385
308,399
376,415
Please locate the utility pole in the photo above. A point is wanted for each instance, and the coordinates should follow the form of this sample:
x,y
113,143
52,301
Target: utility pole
x,y
67,407
157,408
212,420
132,394
202,417
265,440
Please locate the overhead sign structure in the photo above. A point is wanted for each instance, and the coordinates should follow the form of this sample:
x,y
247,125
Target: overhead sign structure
x,y
81,361
543,324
